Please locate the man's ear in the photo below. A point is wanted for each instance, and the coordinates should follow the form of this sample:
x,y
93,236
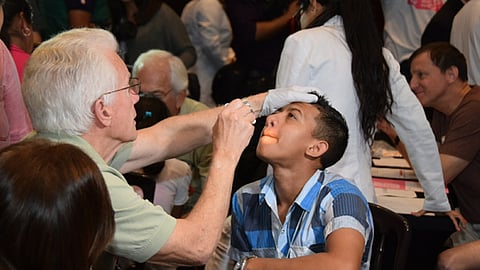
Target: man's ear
x,y
451,74
180,98
102,112
317,149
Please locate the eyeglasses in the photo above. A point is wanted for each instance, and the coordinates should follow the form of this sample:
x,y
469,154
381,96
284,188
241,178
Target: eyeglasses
x,y
134,87
156,93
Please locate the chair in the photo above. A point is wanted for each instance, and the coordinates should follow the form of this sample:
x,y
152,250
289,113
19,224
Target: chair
x,y
392,234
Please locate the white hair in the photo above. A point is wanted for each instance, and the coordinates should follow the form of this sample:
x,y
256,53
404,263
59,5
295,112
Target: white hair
x,y
64,77
178,72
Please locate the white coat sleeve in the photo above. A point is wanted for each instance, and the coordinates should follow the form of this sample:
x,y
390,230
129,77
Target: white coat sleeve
x,y
413,129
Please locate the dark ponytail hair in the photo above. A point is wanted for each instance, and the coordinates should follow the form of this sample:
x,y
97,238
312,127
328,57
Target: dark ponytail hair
x,y
370,71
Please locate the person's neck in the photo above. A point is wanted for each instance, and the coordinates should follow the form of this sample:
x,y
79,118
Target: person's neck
x,y
453,98
22,44
290,181
104,146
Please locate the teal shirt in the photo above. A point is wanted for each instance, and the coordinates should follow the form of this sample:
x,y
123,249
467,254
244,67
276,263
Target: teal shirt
x,y
55,16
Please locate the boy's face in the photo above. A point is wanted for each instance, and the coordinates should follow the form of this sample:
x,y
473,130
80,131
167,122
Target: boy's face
x,y
288,133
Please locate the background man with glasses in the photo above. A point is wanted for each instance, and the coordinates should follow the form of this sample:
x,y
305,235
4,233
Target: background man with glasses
x,y
65,85
165,77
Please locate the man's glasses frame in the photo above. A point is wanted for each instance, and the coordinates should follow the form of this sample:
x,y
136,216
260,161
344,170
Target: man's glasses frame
x,y
156,93
134,87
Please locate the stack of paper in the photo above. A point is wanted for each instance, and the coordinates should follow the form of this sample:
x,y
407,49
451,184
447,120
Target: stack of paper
x,y
394,173
400,205
398,195
391,163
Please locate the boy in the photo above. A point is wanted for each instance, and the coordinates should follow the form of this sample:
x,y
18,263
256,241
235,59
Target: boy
x,y
301,217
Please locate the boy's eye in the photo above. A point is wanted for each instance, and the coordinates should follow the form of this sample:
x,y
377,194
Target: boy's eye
x,y
291,115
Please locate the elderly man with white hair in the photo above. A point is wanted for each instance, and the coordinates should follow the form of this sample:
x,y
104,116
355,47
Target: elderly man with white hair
x,y
79,91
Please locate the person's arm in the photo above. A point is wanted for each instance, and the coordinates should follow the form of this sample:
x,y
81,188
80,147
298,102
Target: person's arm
x,y
180,134
177,135
460,144
344,250
19,124
346,233
386,128
413,129
267,29
464,256
194,238
451,165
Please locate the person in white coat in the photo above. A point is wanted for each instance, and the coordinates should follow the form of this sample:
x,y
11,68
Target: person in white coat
x,y
209,30
341,54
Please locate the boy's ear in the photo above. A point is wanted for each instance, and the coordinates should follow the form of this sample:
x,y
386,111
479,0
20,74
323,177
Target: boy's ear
x,y
317,149
180,98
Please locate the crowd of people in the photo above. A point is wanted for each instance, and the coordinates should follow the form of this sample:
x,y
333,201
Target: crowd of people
x,y
275,174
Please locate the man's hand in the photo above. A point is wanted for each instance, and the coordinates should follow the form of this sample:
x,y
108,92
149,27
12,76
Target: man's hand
x,y
458,220
233,129
277,98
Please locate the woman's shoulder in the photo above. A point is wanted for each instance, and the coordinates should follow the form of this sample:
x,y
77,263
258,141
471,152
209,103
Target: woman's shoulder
x,y
315,35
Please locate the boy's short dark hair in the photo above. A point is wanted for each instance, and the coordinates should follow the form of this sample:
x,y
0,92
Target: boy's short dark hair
x,y
151,110
331,127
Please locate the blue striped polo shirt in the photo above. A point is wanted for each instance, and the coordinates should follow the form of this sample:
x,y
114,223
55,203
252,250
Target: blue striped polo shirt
x,y
326,203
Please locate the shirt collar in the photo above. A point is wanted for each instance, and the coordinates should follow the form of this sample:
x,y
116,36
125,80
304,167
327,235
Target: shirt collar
x,y
305,199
